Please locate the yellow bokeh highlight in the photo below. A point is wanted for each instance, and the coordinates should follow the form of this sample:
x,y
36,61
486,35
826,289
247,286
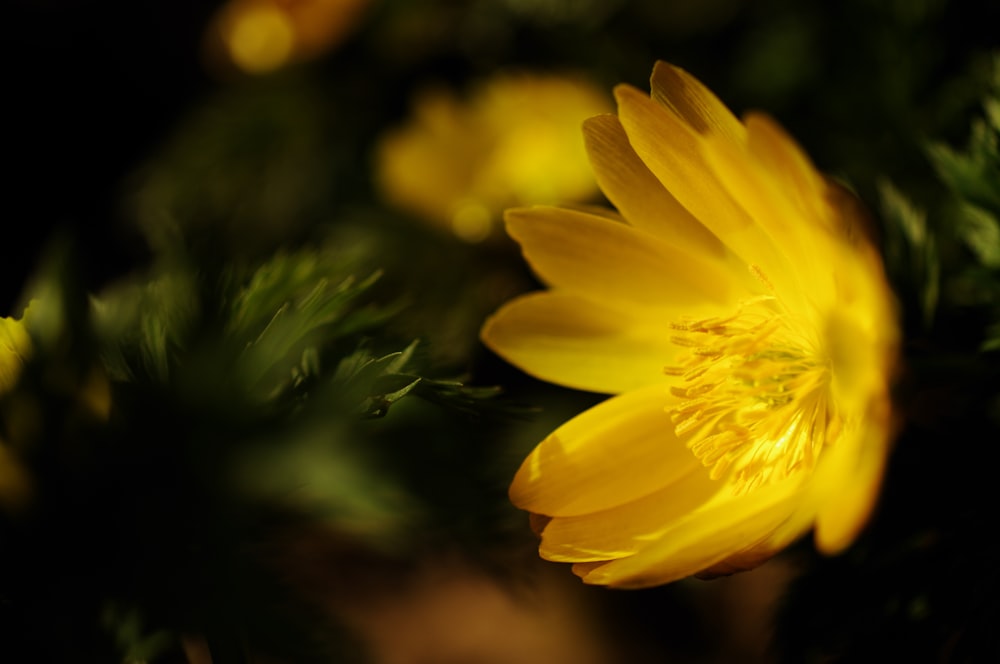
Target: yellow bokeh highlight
x,y
472,222
513,140
260,39
261,36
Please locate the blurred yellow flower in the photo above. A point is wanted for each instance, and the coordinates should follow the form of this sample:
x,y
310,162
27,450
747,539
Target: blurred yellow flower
x,y
514,141
15,346
740,314
260,36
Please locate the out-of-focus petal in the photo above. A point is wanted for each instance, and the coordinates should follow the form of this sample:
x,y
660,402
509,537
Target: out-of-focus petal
x,y
781,219
846,505
15,345
784,161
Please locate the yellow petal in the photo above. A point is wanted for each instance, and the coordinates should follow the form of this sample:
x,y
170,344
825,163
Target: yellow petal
x,y
790,167
674,153
705,539
692,102
848,480
754,556
822,206
787,209
576,342
637,194
620,450
592,255
15,346
14,337
624,530
671,150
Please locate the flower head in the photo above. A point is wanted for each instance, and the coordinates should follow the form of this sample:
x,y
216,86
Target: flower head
x,y
738,311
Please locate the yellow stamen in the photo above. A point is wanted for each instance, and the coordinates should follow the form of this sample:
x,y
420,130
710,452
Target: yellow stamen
x,y
754,403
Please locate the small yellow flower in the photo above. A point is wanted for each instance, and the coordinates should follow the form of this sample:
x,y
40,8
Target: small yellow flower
x,y
260,36
514,141
15,346
740,314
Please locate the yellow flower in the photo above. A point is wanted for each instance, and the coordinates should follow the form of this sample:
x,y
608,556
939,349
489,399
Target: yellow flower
x,y
740,314
514,141
15,346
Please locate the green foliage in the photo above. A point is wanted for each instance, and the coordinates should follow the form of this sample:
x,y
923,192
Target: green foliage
x,y
972,177
146,323
981,231
911,250
132,637
928,255
378,381
240,395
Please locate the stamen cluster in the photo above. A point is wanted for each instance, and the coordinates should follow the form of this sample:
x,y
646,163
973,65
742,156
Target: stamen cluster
x,y
754,400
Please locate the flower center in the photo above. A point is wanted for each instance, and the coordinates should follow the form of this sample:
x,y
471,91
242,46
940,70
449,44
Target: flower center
x,y
754,402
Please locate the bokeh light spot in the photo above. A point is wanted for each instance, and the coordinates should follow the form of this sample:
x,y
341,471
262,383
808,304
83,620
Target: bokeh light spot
x,y
261,39
472,222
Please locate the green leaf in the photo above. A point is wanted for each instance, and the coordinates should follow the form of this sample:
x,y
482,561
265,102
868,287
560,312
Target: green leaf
x,y
298,303
972,176
143,325
401,359
375,383
388,390
135,641
911,248
981,231
992,108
